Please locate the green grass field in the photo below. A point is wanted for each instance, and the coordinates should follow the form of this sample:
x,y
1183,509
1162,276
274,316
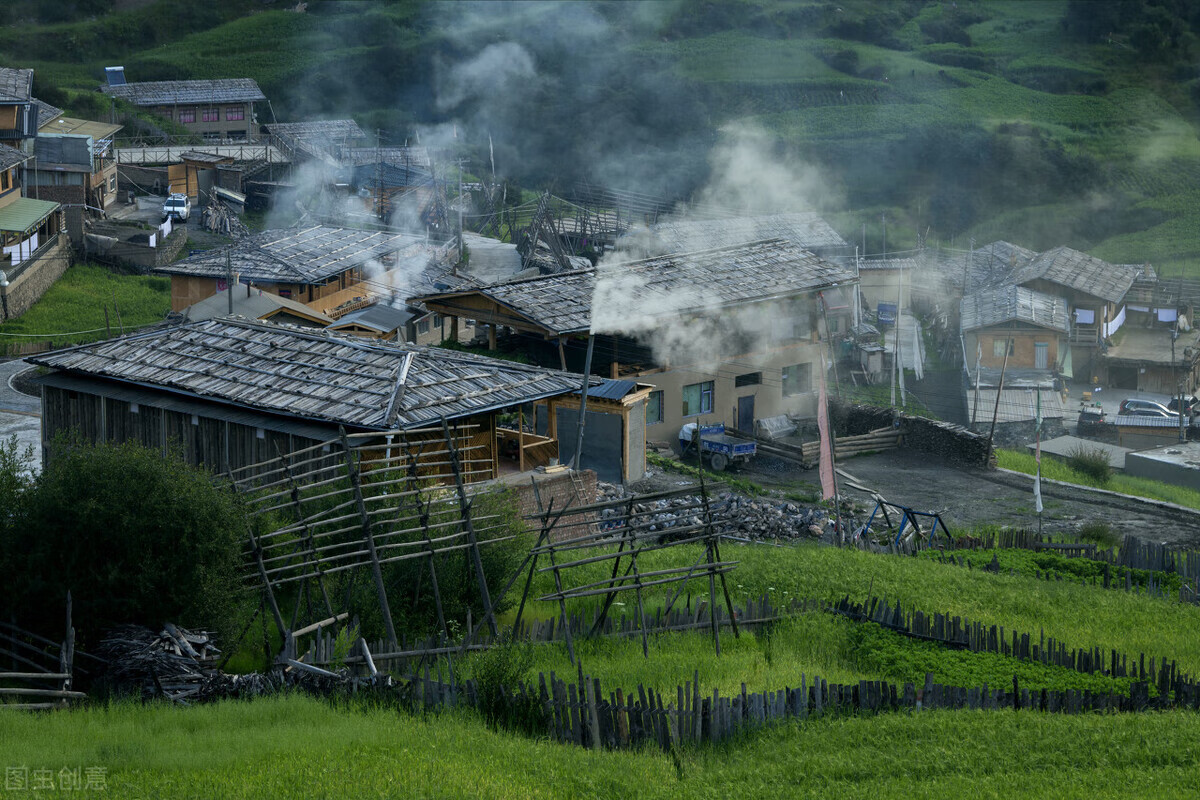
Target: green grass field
x,y
75,307
294,746
1054,469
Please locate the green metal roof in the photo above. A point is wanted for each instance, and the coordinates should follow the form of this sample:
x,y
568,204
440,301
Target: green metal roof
x,y
25,214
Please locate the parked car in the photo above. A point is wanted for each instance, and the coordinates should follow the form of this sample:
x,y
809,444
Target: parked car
x,y
1136,408
1191,406
1092,421
177,206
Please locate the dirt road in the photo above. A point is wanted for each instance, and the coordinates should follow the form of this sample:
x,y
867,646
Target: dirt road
x,y
967,498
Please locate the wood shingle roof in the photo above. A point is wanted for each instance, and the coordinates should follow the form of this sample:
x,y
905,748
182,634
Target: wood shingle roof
x,y
312,374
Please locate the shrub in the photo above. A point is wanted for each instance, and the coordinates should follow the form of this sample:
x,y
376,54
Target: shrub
x,y
1092,462
1100,533
135,536
497,672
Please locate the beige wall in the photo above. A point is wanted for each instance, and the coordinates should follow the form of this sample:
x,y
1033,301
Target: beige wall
x,y
768,395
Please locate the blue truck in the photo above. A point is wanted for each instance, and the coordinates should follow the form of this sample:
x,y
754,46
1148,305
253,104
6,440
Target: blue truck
x,y
718,447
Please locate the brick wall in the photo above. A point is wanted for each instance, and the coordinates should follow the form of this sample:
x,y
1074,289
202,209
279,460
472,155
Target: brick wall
x,y
559,487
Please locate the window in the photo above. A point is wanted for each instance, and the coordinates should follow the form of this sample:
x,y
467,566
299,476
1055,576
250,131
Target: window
x,y
285,293
112,183
423,327
437,320
187,115
749,379
797,379
5,181
212,115
698,399
654,408
998,348
235,113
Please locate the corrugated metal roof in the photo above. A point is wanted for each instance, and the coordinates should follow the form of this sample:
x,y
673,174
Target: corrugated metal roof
x,y
994,306
1016,405
562,303
1081,272
612,389
169,93
379,317
15,85
25,214
298,255
315,375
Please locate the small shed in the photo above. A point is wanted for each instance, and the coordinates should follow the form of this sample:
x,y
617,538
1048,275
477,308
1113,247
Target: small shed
x,y
197,175
614,443
379,321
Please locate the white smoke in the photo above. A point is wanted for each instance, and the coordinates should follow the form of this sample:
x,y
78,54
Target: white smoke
x,y
690,325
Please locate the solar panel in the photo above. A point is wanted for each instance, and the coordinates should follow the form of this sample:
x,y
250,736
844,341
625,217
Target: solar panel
x,y
115,76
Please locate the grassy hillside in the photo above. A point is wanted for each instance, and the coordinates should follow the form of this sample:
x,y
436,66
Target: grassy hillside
x,y
1043,122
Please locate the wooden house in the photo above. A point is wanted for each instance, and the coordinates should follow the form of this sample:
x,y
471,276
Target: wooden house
x,y
76,163
19,111
196,174
304,264
29,228
260,305
233,392
1030,326
218,110
740,378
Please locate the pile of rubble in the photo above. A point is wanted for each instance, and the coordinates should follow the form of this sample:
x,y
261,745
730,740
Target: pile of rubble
x,y
734,515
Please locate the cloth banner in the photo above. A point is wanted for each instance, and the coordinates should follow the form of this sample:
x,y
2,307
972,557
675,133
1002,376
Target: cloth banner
x,y
827,489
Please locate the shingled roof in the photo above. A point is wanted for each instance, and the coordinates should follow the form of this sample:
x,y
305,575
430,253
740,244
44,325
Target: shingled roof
x,y
15,85
1001,304
804,229
170,93
296,255
1079,271
11,157
314,375
562,303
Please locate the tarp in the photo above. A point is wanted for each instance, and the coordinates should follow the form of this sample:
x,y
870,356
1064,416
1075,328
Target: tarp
x,y
826,448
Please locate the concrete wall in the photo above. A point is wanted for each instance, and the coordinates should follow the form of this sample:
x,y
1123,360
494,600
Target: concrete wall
x,y
144,259
769,400
36,277
1179,473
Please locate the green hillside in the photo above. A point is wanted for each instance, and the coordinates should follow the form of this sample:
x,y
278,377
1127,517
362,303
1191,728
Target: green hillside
x,y
1045,123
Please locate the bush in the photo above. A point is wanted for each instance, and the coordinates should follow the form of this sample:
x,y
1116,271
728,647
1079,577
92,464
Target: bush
x,y
135,537
497,672
1091,462
1101,534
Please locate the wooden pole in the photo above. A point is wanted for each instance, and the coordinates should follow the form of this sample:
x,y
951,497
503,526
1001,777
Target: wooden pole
x,y
999,391
465,508
583,394
368,536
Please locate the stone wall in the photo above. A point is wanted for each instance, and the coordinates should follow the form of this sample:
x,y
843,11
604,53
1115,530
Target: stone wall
x,y
559,487
35,277
138,258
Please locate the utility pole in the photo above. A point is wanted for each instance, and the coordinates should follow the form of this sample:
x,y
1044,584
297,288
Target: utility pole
x,y
884,218
229,276
999,391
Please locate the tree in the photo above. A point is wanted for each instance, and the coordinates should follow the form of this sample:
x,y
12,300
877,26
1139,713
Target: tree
x,y
136,538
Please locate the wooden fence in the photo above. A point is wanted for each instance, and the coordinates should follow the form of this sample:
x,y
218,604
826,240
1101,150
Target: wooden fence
x,y
581,713
42,670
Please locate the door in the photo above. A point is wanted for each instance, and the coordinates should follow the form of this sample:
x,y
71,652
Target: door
x,y
745,417
1040,352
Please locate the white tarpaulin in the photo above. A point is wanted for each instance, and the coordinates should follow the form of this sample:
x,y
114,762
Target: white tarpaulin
x,y
1166,314
1085,316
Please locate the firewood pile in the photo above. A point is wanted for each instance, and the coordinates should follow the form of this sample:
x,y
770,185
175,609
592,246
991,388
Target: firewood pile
x,y
181,666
